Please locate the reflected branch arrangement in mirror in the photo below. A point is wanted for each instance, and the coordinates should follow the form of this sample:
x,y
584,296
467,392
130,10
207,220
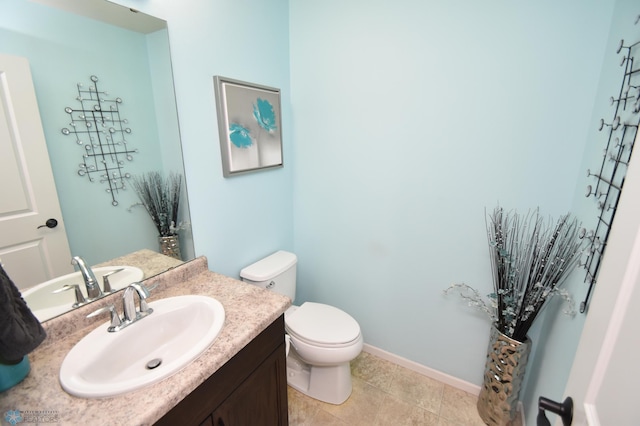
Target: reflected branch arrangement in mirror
x,y
102,132
608,180
160,197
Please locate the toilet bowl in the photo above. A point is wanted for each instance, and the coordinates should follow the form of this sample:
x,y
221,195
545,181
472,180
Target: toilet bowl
x,y
323,339
322,334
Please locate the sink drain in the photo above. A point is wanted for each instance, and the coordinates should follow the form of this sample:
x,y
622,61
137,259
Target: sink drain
x,y
154,363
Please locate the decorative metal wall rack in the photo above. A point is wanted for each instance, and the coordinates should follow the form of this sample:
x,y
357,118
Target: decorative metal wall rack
x,y
608,180
100,130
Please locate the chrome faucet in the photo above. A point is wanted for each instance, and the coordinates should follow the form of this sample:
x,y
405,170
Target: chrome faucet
x,y
93,289
129,305
90,282
130,314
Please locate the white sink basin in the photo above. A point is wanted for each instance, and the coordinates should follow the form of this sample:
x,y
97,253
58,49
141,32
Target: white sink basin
x,y
104,364
45,304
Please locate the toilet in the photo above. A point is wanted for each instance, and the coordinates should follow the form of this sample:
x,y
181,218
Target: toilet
x,y
323,339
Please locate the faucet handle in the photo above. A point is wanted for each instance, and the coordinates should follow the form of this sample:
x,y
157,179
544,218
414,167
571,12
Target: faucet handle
x,y
80,300
116,323
106,285
143,292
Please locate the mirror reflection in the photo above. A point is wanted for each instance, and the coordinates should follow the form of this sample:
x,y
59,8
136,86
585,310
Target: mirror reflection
x,y
65,47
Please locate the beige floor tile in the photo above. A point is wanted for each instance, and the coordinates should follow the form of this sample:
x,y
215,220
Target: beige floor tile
x,y
302,409
307,411
362,406
416,389
322,418
459,407
444,422
387,394
373,370
399,413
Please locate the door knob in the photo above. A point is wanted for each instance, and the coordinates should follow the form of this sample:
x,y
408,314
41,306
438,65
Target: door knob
x,y
563,409
50,223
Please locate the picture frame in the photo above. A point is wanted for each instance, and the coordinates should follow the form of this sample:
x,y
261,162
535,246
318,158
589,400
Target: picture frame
x,y
250,126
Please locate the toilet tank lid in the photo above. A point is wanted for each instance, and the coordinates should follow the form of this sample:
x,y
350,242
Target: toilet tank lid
x,y
269,267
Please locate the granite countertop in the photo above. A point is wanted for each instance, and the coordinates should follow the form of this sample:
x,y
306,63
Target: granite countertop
x,y
151,262
248,311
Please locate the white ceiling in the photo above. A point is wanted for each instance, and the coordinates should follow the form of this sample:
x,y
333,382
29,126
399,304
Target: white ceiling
x,y
110,13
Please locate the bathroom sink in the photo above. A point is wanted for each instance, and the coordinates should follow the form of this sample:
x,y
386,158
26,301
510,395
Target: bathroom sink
x,y
45,304
155,347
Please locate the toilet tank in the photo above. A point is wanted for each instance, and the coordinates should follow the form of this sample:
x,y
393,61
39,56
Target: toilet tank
x,y
276,272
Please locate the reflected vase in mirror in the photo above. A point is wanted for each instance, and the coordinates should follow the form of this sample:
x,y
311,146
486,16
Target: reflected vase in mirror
x,y
170,246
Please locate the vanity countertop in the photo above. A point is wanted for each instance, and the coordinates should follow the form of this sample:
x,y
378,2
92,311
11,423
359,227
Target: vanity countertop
x,y
151,262
248,311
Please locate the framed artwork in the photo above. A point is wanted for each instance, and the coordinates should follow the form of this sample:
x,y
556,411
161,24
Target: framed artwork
x,y
249,121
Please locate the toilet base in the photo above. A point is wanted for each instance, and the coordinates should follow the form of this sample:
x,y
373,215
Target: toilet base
x,y
331,384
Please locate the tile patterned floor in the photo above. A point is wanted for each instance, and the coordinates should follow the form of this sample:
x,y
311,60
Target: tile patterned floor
x,y
387,394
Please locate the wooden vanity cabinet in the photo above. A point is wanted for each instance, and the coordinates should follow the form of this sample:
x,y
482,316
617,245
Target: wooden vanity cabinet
x,y
250,389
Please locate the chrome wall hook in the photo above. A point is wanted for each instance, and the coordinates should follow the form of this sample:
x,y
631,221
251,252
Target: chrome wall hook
x,y
617,143
607,181
626,97
589,235
622,46
614,125
617,160
591,191
601,206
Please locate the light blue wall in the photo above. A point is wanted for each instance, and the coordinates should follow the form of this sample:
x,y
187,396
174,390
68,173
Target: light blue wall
x,y
402,122
64,49
168,134
411,117
238,220
559,336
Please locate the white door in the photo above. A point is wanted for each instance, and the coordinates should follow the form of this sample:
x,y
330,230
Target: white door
x,y
29,253
605,377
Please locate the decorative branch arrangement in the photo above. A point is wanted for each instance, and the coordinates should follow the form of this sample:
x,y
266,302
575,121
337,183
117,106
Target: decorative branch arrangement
x,y
621,132
161,198
530,260
98,127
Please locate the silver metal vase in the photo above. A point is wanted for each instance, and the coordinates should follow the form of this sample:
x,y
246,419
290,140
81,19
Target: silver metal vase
x,y
170,246
503,375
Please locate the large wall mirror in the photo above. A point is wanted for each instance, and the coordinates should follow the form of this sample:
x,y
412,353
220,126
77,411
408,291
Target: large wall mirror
x,y
67,42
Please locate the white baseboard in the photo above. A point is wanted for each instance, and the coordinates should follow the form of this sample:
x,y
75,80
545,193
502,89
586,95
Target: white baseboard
x,y
431,373
421,369
521,411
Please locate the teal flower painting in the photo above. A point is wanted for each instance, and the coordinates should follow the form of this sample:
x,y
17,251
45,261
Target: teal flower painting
x,y
249,123
263,112
264,115
240,136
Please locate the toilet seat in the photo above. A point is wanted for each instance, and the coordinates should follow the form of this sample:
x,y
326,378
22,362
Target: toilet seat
x,y
322,325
